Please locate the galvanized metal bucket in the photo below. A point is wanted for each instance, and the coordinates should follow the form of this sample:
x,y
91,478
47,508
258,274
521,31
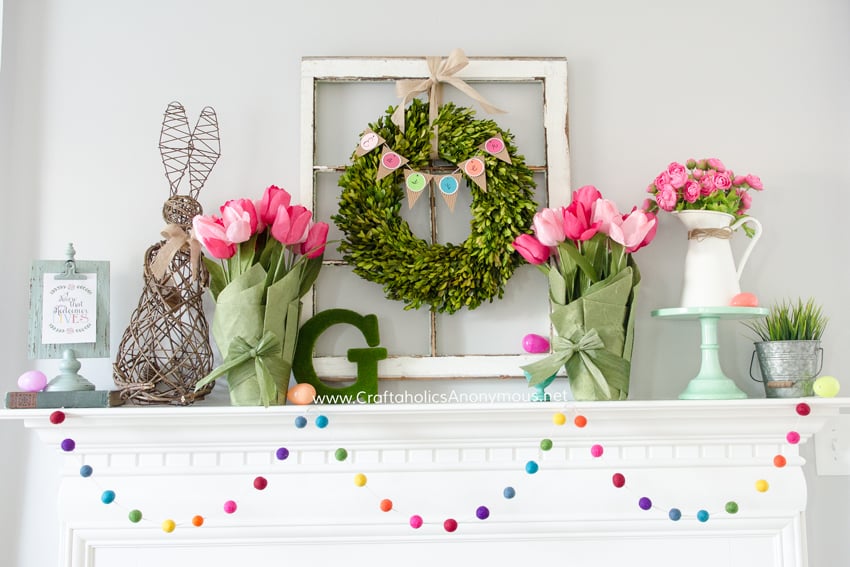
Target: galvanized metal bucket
x,y
788,368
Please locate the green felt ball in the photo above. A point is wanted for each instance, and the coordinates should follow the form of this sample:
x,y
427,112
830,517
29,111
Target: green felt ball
x,y
546,444
340,454
135,516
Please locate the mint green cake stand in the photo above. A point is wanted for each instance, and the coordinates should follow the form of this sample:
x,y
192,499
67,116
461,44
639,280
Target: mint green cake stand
x,y
711,383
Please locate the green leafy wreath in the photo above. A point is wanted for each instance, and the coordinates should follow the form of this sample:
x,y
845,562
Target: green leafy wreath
x,y
380,245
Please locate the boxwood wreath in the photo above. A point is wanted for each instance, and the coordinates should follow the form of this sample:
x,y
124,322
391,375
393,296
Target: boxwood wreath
x,y
380,245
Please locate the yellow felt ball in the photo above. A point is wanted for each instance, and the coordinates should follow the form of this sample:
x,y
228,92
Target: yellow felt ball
x,y
762,485
168,526
360,479
826,386
559,419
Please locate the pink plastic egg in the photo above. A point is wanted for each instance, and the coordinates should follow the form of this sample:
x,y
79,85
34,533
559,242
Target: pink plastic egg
x,y
745,299
32,381
301,394
535,343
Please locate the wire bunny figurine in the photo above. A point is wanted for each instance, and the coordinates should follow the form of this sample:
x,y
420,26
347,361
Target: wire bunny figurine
x,y
165,349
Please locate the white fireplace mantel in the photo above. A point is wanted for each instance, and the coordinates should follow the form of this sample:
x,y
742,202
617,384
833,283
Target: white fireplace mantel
x,y
439,462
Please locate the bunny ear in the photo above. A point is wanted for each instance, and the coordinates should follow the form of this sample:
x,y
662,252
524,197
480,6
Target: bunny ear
x,y
174,144
205,150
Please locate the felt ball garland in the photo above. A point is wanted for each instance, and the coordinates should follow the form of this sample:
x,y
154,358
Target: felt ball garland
x,y
450,524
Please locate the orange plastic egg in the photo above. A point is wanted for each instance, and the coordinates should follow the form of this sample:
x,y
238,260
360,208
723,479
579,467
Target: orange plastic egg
x,y
745,299
301,394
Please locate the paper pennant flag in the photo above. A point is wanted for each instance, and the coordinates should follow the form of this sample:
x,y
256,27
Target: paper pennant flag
x,y
368,142
475,169
495,146
415,182
448,185
390,161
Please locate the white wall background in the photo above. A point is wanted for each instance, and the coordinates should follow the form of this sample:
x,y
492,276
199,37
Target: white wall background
x,y
763,85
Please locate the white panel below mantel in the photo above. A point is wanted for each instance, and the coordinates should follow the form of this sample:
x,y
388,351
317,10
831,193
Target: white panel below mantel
x,y
438,461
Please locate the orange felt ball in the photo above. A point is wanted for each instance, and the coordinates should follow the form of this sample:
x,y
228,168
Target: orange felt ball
x,y
745,299
301,394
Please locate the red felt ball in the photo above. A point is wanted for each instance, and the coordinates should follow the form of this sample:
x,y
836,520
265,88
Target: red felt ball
x,y
450,525
619,480
260,483
57,417
803,409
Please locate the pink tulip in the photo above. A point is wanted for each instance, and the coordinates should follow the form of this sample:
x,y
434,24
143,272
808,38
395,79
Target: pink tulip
x,y
210,231
291,224
606,214
755,182
638,230
549,227
678,175
577,225
242,206
585,197
273,197
531,249
317,237
237,221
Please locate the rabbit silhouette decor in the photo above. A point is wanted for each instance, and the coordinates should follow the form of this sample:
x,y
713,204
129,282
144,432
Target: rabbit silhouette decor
x,y
166,350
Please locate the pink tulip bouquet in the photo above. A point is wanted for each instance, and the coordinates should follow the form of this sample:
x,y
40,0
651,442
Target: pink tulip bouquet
x,y
262,258
585,249
704,184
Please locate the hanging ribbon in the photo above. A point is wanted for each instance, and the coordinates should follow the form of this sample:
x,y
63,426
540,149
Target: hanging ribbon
x,y
441,71
175,239
266,357
592,354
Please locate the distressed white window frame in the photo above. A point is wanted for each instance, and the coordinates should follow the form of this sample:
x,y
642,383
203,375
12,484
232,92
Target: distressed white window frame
x,y
550,71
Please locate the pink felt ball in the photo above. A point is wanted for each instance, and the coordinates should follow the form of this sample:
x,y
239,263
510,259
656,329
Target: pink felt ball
x,y
793,437
596,450
229,507
416,521
535,343
32,381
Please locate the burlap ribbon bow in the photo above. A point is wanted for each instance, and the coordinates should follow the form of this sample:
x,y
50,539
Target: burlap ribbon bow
x,y
592,354
175,239
442,71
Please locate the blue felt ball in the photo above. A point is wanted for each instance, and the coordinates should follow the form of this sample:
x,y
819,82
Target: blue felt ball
x,y
509,492
531,467
675,514
321,421
108,497
85,471
702,516
300,422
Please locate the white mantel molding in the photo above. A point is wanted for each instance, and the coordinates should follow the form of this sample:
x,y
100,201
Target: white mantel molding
x,y
439,461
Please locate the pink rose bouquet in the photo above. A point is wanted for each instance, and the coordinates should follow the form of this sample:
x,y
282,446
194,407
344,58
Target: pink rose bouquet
x,y
265,255
704,184
585,249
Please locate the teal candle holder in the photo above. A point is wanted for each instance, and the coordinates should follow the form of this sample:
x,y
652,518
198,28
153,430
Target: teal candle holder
x,y
539,394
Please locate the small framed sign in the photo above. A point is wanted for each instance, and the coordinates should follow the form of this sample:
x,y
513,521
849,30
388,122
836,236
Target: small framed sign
x,y
69,308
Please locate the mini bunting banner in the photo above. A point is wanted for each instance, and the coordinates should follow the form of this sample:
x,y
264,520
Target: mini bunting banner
x,y
474,167
368,142
390,161
495,146
448,185
415,182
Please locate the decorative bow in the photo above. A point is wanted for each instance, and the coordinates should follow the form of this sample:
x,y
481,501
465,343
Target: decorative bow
x,y
266,361
442,71
175,239
591,354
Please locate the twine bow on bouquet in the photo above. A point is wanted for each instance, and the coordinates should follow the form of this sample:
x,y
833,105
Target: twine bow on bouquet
x,y
585,249
266,257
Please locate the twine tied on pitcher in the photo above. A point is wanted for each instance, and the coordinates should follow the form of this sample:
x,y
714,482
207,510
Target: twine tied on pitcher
x,y
700,234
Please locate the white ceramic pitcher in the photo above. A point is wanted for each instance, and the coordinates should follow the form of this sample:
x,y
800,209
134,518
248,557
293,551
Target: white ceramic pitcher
x,y
711,277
